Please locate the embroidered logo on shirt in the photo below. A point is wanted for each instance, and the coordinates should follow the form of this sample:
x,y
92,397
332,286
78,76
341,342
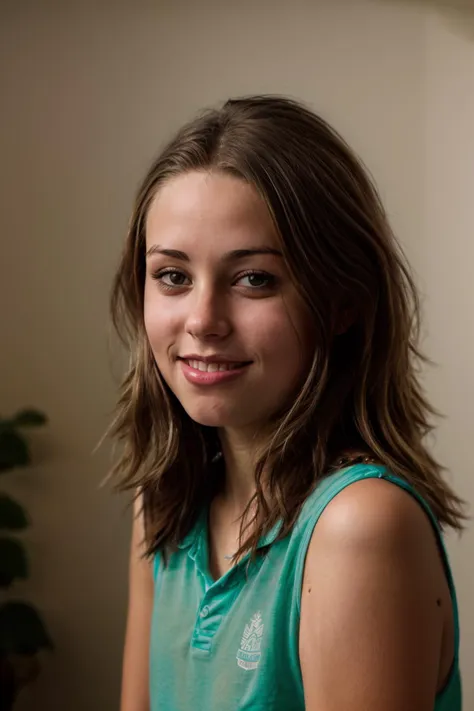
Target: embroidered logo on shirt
x,y
248,656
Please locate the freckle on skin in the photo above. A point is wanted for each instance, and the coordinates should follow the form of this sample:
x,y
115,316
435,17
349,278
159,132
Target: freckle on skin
x,y
438,602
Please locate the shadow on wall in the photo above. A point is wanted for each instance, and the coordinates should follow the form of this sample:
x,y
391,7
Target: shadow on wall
x,y
459,14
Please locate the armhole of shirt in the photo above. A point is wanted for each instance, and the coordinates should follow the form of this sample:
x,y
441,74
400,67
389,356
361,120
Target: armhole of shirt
x,y
344,479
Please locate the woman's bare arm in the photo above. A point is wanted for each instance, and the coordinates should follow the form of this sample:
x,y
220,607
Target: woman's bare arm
x,y
373,604
135,675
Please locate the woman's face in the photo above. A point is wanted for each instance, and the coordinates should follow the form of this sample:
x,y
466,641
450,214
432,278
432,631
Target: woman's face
x,y
226,325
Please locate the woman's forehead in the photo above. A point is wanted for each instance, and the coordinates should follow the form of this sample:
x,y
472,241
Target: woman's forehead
x,y
209,206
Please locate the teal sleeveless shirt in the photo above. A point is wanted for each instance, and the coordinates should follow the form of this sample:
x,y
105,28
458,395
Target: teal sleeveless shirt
x,y
232,644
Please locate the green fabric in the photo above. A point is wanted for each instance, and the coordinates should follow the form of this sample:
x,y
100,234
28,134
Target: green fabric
x,y
233,644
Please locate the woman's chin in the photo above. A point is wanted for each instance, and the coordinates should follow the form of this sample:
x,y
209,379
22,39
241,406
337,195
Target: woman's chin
x,y
209,419
216,417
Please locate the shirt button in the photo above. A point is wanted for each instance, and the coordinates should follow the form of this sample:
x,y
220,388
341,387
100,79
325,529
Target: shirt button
x,y
205,611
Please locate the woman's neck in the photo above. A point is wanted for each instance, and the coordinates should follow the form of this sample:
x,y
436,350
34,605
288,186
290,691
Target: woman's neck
x,y
239,455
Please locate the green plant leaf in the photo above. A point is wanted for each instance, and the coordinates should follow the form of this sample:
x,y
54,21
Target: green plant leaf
x,y
13,562
12,515
22,630
5,424
14,450
29,418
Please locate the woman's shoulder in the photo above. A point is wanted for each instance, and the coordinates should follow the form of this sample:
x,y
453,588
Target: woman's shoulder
x,y
367,506
374,509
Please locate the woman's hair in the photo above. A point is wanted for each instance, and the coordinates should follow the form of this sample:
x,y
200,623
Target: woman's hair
x,y
362,394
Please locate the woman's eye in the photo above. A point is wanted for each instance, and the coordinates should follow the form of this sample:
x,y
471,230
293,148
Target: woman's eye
x,y
174,279
257,280
171,278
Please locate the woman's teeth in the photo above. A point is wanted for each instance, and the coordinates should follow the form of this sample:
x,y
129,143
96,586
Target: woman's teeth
x,y
212,367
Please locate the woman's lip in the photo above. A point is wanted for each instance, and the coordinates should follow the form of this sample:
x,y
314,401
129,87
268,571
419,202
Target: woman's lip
x,y
222,360
215,377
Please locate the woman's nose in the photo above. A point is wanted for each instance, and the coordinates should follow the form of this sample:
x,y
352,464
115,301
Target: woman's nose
x,y
208,317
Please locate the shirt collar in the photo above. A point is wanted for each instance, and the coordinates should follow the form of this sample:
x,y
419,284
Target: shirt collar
x,y
196,531
193,536
270,537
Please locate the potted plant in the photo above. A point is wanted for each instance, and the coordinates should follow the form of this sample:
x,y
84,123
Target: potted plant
x,y
22,632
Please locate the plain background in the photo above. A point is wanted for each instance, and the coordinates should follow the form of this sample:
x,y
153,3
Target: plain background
x,y
89,91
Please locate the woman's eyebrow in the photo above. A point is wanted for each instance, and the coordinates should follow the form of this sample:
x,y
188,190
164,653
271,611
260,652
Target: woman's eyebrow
x,y
233,255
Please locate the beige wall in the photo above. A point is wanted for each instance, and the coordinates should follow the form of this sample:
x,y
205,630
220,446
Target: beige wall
x,y
89,92
446,265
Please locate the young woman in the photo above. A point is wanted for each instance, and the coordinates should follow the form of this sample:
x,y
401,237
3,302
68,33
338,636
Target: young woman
x,y
287,550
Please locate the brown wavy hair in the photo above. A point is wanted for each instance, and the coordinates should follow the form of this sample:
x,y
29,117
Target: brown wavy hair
x,y
362,394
